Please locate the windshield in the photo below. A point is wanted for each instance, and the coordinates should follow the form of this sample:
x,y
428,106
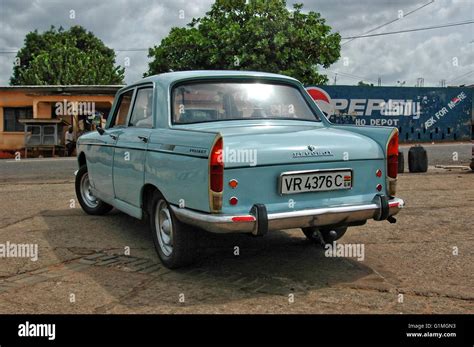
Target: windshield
x,y
207,102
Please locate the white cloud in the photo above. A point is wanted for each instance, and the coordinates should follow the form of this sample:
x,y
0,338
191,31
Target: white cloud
x,y
428,54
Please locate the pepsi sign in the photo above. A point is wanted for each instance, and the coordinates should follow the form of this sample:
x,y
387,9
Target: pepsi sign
x,y
420,114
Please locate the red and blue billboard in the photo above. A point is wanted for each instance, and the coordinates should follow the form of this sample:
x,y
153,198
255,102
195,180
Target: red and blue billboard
x,y
420,114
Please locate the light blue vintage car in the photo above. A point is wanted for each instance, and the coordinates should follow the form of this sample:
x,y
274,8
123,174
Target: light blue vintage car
x,y
234,152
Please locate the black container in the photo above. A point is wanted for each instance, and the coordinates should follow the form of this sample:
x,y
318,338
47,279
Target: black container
x,y
417,159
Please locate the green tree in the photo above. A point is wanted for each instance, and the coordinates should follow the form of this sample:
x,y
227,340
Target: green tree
x,y
59,56
260,35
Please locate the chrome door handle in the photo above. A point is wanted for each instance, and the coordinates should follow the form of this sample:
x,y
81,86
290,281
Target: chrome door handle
x,y
143,138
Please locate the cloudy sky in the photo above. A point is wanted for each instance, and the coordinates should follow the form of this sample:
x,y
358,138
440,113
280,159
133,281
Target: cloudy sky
x,y
435,55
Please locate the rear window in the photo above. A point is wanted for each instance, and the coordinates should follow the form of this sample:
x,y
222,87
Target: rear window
x,y
208,102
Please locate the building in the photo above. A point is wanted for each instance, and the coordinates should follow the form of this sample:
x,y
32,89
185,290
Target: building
x,y
71,105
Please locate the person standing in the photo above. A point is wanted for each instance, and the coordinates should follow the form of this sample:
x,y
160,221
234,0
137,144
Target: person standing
x,y
69,141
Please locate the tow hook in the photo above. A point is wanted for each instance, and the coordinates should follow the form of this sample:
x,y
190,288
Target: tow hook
x,y
391,219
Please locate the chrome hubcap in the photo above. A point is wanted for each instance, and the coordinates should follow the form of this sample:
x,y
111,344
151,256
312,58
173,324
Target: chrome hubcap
x,y
164,227
89,199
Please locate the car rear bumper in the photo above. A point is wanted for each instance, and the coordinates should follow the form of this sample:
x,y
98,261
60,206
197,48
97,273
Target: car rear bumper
x,y
258,221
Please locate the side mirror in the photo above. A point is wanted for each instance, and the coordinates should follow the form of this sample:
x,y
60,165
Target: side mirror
x,y
100,130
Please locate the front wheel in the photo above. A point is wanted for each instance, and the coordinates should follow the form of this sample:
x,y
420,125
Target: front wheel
x,y
89,203
324,234
174,241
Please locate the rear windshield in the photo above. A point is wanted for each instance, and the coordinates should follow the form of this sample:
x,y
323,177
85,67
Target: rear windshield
x,y
208,102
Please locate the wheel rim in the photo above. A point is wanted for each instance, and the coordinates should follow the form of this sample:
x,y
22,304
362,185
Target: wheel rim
x,y
89,199
164,227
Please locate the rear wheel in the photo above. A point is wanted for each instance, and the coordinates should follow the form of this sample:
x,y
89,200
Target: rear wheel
x,y
174,241
89,203
324,235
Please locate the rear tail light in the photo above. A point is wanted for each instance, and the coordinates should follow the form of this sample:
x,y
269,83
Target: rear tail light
x,y
392,156
392,162
217,167
216,176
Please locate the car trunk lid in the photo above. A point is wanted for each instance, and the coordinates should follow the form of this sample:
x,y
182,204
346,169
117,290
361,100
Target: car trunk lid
x,y
280,145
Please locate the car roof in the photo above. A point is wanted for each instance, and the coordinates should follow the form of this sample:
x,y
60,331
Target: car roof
x,y
166,79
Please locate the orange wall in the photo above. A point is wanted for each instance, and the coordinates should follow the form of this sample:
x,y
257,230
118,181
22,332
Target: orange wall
x,y
41,109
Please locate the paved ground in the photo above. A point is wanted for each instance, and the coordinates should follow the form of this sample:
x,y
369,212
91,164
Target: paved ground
x,y
444,154
29,170
82,267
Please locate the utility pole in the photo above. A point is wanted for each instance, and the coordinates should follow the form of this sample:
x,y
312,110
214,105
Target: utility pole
x,y
335,78
420,82
379,81
442,83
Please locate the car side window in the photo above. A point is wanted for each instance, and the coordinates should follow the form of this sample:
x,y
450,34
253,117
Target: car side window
x,y
142,109
123,107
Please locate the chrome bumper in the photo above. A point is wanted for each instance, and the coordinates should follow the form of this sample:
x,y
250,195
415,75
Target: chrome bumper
x,y
250,223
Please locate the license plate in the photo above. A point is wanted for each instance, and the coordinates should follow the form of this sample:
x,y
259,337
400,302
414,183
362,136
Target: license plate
x,y
315,181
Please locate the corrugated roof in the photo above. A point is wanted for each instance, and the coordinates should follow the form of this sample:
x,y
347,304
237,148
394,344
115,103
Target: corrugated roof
x,y
108,89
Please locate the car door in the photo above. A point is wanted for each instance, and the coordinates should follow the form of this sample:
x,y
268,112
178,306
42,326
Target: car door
x,y
100,160
131,147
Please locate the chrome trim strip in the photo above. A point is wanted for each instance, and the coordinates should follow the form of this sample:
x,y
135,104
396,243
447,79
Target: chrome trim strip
x,y
218,223
214,223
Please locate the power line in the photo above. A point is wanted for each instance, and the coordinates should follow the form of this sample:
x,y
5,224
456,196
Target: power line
x,y
411,30
351,38
463,81
348,75
461,76
355,77
345,75
365,79
392,21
